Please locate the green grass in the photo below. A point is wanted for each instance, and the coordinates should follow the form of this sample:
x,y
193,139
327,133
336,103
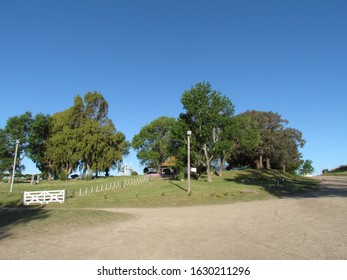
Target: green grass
x,y
233,186
339,171
26,222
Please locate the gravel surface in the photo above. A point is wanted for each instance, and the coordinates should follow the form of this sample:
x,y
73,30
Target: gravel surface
x,y
309,226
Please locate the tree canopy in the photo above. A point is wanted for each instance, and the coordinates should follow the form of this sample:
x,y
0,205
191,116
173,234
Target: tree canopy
x,y
207,113
278,147
81,137
84,138
153,142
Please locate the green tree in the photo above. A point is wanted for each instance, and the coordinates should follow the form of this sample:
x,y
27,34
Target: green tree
x,y
62,149
101,147
39,133
6,153
153,142
238,134
18,127
84,137
306,168
279,145
207,111
286,154
96,107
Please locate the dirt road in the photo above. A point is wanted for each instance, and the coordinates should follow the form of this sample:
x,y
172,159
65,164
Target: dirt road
x,y
312,226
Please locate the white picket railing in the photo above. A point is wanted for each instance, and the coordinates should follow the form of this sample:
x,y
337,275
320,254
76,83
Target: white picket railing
x,y
43,197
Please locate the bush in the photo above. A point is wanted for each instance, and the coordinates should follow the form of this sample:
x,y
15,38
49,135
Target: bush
x,y
134,173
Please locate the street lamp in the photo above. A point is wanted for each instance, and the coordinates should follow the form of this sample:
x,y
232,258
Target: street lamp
x,y
189,133
14,164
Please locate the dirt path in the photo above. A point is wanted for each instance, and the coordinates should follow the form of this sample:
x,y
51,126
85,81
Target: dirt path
x,y
313,226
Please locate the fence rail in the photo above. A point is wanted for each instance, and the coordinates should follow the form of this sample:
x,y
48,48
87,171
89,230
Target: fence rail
x,y
43,197
112,185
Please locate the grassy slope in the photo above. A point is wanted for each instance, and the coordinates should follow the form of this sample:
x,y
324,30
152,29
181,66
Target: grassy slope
x,y
339,171
233,186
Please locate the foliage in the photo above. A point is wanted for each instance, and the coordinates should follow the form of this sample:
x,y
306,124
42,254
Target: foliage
x,y
238,134
207,111
152,143
80,137
6,153
17,128
306,168
278,147
39,133
84,137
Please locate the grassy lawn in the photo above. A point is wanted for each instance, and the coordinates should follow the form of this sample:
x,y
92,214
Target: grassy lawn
x,y
27,222
231,187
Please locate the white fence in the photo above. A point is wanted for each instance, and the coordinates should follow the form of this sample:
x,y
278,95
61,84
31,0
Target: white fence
x,y
112,185
43,197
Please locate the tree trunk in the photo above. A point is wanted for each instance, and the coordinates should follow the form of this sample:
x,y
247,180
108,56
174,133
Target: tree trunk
x,y
284,168
222,162
209,176
259,162
208,164
268,165
90,171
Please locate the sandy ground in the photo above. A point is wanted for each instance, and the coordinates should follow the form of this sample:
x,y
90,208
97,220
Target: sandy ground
x,y
311,226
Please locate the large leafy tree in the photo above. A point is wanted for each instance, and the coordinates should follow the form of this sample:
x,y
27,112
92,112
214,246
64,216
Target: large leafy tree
x,y
306,168
6,153
286,155
207,112
153,142
279,145
238,134
84,137
39,133
62,150
101,146
17,128
96,107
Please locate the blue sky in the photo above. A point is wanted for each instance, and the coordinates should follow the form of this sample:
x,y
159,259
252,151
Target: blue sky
x,y
286,56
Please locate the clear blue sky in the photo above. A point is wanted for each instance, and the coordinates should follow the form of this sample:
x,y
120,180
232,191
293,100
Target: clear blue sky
x,y
286,56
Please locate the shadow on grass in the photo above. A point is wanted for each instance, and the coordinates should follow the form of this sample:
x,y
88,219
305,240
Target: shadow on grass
x,y
11,215
278,183
178,186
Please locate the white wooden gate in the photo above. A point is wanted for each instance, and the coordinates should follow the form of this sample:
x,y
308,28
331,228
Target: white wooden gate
x,y
43,197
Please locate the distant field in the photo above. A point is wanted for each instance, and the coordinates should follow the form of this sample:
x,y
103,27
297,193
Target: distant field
x,y
233,186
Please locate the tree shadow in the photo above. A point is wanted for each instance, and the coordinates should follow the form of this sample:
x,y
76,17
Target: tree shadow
x,y
178,186
328,187
279,184
11,215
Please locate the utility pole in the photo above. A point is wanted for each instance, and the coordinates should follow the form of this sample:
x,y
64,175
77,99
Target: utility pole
x,y
188,167
14,165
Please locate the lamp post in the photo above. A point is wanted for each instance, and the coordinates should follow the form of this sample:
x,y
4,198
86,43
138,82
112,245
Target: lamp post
x,y
188,164
14,165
